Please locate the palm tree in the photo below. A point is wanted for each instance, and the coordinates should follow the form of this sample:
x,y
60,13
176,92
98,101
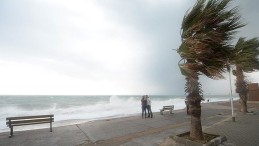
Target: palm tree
x,y
245,58
206,33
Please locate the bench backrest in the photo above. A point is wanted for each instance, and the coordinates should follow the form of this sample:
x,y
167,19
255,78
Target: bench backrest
x,y
168,107
25,120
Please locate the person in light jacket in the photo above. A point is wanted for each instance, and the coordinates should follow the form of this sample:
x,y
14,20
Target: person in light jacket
x,y
150,114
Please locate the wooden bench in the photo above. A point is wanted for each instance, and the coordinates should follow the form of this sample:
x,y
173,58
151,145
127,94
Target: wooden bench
x,y
167,108
28,120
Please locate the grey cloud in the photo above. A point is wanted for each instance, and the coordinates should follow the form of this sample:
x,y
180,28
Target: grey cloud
x,y
249,13
161,25
31,32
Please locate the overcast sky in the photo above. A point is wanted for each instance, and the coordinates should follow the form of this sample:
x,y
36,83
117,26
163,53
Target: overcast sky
x,y
100,47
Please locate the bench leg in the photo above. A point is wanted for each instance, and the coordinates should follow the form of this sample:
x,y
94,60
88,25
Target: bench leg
x,y
50,126
11,132
161,112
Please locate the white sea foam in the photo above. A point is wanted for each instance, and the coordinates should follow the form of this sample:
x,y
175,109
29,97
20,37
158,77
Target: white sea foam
x,y
76,109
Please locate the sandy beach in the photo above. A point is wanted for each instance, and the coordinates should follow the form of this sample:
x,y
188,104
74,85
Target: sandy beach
x,y
133,130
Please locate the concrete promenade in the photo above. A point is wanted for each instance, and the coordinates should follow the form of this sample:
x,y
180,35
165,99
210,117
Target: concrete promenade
x,y
135,131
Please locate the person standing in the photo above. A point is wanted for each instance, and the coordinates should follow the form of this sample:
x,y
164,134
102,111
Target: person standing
x,y
150,114
144,106
187,106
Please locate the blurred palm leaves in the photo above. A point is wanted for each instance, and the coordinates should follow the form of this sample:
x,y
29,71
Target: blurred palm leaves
x,y
206,31
245,54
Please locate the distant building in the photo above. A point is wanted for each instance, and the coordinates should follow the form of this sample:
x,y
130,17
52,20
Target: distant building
x,y
253,92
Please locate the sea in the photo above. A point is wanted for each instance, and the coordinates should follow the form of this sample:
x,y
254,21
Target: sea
x,y
74,109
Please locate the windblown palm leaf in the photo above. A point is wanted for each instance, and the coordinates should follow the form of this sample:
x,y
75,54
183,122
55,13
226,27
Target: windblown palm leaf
x,y
246,54
206,32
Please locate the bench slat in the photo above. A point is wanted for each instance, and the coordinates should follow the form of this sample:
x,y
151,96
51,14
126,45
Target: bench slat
x,y
29,117
169,106
29,123
167,109
13,122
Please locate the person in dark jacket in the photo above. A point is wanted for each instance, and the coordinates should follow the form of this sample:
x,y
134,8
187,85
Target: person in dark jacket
x,y
144,106
187,106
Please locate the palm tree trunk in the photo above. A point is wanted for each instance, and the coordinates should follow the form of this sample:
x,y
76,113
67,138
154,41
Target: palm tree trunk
x,y
243,103
194,101
196,128
241,89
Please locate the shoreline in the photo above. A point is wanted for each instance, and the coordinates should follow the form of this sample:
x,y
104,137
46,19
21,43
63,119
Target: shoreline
x,y
70,122
133,130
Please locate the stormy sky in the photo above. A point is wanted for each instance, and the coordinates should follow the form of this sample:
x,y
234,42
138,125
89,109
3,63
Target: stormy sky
x,y
100,47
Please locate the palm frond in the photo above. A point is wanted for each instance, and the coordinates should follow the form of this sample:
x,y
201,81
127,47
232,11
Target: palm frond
x,y
207,30
245,54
